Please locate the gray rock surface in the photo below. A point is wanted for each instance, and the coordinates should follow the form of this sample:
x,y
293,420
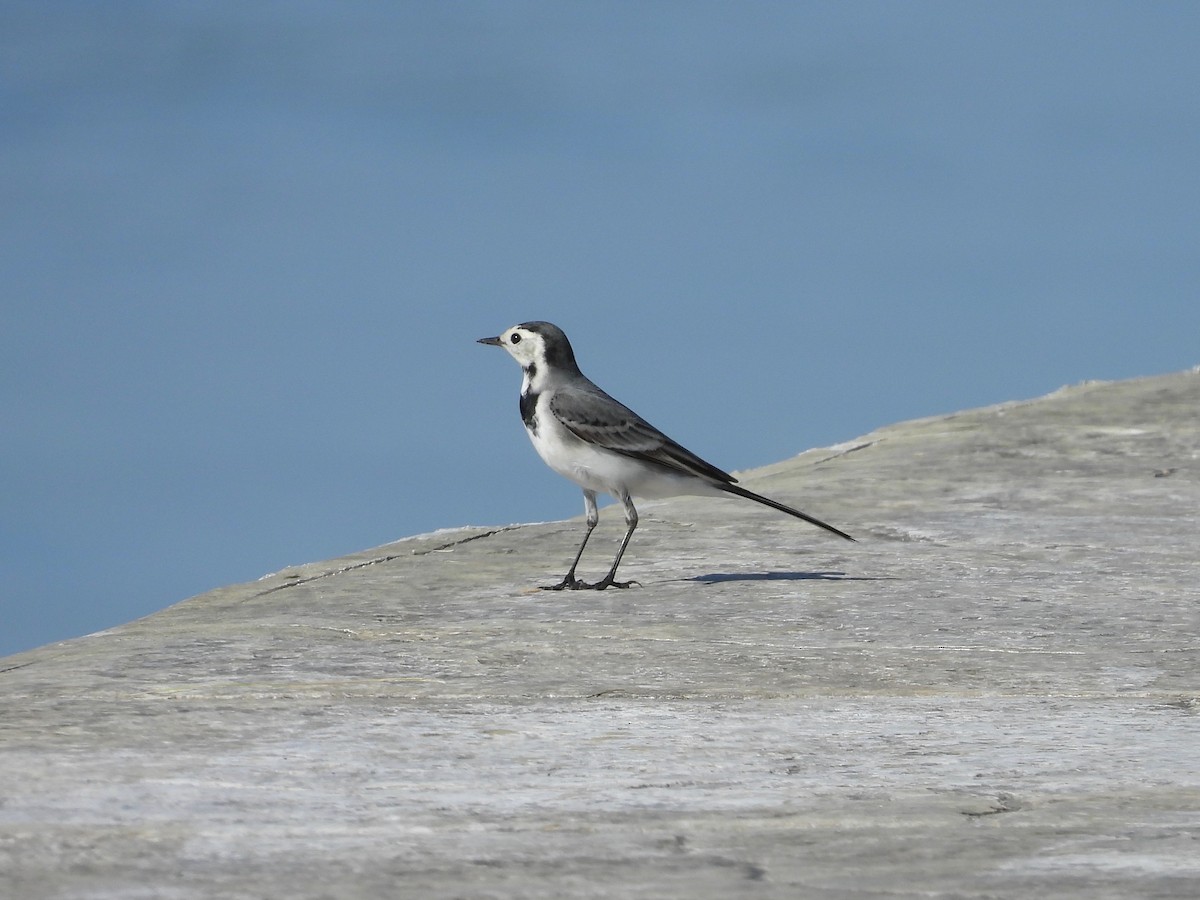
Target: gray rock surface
x,y
995,694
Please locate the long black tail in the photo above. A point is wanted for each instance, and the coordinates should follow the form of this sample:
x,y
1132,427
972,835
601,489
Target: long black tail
x,y
775,504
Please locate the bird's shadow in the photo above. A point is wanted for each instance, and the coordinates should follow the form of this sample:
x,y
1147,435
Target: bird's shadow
x,y
721,577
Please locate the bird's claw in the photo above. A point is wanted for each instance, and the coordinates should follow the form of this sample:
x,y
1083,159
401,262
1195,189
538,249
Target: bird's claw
x,y
574,584
567,584
608,582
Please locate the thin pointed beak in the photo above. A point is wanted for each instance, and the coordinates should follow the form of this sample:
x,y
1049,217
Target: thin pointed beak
x,y
493,340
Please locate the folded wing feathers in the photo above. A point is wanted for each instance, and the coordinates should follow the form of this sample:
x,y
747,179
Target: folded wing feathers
x,y
628,433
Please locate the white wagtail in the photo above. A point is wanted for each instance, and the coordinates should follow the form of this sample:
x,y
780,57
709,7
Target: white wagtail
x,y
603,446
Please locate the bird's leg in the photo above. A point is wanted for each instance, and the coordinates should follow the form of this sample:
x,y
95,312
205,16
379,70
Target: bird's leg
x,y
631,519
570,582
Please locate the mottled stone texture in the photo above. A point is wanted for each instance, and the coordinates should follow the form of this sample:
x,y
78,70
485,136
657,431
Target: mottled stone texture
x,y
995,694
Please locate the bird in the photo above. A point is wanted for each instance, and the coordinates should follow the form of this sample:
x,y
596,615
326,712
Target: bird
x,y
603,446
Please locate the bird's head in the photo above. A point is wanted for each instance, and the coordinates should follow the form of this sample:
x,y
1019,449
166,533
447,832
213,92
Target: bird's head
x,y
537,346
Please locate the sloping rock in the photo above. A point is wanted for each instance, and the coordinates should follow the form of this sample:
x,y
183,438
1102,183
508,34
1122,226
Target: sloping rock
x,y
996,693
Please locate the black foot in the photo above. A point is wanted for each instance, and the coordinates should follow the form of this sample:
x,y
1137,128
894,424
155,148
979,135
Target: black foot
x,y
574,584
608,582
567,584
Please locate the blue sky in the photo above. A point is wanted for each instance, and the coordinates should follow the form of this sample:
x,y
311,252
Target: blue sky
x,y
247,248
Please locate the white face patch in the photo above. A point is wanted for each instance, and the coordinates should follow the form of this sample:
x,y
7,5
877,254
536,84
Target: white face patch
x,y
529,350
523,346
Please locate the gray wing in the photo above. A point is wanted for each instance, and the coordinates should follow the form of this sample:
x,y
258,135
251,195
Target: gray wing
x,y
594,416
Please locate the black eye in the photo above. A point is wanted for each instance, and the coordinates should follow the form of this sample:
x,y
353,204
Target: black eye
x,y
515,339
